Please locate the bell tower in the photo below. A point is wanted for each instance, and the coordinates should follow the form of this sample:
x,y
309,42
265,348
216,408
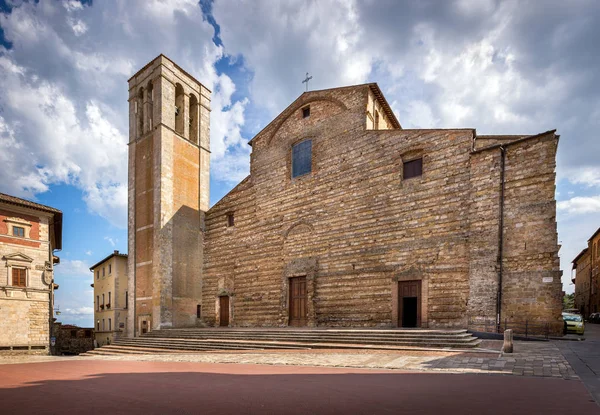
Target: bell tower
x,y
168,194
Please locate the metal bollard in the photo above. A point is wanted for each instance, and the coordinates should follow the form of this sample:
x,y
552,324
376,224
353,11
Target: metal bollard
x,y
507,347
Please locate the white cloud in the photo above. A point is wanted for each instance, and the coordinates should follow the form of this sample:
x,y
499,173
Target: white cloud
x,y
72,268
80,311
88,252
63,93
112,241
580,204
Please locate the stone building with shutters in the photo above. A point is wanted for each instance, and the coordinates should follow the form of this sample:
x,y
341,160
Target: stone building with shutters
x,y
29,235
110,297
345,220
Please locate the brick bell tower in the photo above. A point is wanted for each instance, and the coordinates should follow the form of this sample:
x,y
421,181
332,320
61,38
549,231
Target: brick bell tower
x,y
169,156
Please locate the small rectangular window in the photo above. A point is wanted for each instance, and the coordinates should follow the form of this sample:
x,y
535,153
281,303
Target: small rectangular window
x,y
109,269
98,325
19,277
18,231
306,112
230,219
103,271
126,300
97,303
413,168
198,311
103,325
302,158
98,274
102,300
109,324
109,296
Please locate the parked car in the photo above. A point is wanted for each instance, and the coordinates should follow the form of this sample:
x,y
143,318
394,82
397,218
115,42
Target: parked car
x,y
594,318
574,322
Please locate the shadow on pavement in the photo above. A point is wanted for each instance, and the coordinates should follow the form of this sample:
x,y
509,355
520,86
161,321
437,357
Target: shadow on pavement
x,y
118,387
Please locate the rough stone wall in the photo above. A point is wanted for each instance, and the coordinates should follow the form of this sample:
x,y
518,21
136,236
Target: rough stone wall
x,y
355,228
25,311
66,343
532,287
168,189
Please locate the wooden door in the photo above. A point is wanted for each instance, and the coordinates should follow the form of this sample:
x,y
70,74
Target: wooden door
x,y
409,303
298,301
224,311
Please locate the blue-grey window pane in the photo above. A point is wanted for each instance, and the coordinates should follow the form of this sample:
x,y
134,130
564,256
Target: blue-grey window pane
x,y
301,158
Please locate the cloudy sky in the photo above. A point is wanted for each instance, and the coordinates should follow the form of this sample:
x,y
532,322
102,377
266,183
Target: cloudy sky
x,y
502,67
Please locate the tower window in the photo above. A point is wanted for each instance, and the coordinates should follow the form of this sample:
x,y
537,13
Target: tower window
x,y
301,158
198,311
306,112
413,168
18,231
230,219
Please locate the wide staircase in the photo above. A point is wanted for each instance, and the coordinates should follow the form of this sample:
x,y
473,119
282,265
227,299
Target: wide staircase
x,y
230,339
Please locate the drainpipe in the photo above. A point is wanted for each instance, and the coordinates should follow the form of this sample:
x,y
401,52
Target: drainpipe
x,y
500,238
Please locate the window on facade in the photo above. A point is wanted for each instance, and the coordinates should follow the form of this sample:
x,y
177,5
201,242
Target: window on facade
x,y
103,271
19,277
413,168
230,219
198,311
98,274
109,324
97,303
302,158
306,112
109,296
103,325
102,300
109,269
126,300
18,231
98,325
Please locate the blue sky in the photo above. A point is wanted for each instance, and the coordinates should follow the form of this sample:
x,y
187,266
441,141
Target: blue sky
x,y
502,67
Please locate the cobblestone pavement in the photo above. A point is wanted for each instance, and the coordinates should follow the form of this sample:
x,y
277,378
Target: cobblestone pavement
x,y
541,359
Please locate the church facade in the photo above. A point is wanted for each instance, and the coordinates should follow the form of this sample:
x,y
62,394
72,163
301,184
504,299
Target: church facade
x,y
346,219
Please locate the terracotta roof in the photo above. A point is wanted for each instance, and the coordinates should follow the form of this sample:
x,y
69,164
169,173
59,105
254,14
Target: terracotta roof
x,y
115,253
57,222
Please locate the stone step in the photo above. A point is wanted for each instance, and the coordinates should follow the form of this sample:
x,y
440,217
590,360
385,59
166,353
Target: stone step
x,y
249,344
306,336
394,332
298,339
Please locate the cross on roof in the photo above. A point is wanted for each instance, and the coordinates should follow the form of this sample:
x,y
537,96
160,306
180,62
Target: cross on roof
x,y
308,78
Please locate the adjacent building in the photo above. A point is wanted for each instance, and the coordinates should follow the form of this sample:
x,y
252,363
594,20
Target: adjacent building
x,y
72,340
345,220
586,277
110,297
30,233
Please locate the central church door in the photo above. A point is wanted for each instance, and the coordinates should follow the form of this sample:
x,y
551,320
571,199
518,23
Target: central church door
x,y
298,301
224,311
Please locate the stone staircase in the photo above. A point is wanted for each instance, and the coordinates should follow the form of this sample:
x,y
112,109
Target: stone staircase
x,y
233,339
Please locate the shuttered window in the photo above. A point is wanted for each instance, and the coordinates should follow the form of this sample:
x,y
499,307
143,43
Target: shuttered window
x,y
413,168
18,231
19,277
302,158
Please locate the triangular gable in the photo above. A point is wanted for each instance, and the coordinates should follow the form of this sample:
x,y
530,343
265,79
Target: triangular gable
x,y
17,257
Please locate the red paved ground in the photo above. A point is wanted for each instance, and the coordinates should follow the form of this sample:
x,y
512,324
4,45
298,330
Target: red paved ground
x,y
118,387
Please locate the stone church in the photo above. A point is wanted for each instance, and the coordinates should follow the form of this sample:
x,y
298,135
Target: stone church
x,y
345,220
